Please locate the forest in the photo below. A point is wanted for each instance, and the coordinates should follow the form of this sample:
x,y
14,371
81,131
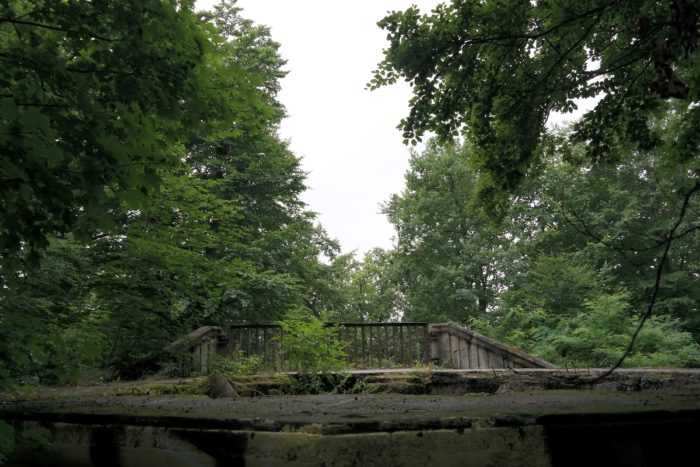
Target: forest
x,y
145,190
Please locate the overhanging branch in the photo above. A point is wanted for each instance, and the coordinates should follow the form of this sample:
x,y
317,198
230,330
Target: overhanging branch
x,y
657,283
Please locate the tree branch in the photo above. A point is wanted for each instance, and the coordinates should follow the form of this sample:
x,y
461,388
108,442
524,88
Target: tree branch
x,y
56,28
540,34
584,229
657,284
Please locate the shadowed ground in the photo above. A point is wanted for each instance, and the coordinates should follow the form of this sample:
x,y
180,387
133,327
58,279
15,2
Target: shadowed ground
x,y
644,416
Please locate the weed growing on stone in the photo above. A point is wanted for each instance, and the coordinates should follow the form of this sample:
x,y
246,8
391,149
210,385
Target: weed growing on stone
x,y
311,346
238,364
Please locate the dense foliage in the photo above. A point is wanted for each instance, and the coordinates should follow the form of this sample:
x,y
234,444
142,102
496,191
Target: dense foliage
x,y
145,189
607,209
96,98
445,255
496,69
224,238
570,268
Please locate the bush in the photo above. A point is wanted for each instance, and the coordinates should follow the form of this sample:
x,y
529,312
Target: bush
x,y
596,336
311,346
238,364
600,335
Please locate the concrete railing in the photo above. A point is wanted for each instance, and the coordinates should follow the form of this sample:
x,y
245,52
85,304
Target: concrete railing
x,y
458,347
196,351
368,345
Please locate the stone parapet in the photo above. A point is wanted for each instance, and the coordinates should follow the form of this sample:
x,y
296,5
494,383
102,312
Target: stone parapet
x,y
455,346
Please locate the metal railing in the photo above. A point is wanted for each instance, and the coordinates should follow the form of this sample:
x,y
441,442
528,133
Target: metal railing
x,y
385,345
264,340
367,345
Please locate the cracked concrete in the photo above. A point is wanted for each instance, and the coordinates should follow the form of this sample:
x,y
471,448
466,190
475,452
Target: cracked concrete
x,y
644,416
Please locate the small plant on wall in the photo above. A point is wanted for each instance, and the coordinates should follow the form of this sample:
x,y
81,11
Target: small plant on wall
x,y
238,364
310,345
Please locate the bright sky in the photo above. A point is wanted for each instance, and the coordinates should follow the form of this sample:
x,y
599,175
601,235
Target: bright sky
x,y
345,135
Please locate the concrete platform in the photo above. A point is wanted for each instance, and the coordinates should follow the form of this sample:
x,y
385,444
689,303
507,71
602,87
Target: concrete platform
x,y
641,417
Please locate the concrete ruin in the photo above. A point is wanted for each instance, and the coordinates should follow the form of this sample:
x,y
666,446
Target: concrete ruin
x,y
195,352
375,345
638,417
453,346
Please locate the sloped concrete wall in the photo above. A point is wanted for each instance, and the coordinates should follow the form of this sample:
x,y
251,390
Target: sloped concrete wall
x,y
196,351
455,346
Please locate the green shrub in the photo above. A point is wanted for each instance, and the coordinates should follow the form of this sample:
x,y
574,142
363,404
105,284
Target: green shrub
x,y
596,336
311,346
600,335
238,364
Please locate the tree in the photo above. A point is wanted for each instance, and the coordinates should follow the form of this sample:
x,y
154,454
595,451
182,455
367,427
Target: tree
x,y
588,232
367,288
576,248
96,98
224,239
373,293
49,321
497,69
445,260
626,212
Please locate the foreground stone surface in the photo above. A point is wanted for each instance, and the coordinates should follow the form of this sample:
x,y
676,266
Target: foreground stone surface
x,y
638,418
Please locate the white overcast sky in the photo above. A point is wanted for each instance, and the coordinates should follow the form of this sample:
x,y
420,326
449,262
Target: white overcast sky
x,y
345,135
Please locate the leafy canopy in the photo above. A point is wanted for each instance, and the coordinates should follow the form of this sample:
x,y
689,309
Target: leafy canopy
x,y
225,237
496,69
96,97
445,258
577,242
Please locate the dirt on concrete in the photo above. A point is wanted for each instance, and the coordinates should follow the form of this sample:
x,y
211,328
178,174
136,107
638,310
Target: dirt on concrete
x,y
411,418
522,398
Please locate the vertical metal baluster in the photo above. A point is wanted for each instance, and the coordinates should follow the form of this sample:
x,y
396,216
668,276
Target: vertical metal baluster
x,y
379,348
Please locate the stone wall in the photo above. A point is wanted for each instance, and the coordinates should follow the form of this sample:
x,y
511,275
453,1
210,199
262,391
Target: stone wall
x,y
196,351
455,346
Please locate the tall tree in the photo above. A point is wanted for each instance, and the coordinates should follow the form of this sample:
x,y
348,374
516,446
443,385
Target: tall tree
x,y
367,287
374,296
587,244
577,248
445,255
495,70
225,239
